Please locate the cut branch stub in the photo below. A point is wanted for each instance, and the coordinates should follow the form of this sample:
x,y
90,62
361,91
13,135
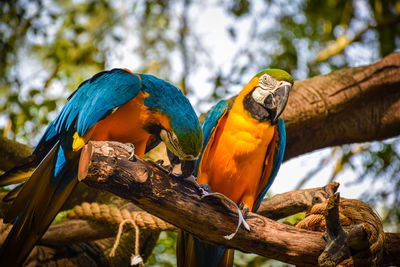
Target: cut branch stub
x,y
359,232
107,156
336,249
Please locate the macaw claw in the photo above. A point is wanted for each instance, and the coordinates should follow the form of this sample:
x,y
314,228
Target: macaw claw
x,y
245,211
204,189
241,216
128,147
132,150
167,168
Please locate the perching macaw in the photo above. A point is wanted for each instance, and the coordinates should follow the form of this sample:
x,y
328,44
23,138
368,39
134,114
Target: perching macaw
x,y
243,149
114,105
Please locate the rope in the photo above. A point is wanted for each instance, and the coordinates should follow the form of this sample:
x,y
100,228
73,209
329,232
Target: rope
x,y
351,212
136,258
113,215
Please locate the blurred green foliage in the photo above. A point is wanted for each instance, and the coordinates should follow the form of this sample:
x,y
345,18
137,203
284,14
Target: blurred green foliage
x,y
48,47
164,251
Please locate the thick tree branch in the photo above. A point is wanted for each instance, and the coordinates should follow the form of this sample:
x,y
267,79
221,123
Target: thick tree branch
x,y
83,228
179,203
346,106
12,152
289,203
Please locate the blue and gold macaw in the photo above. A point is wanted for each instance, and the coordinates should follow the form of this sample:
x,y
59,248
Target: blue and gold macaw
x,y
243,149
114,105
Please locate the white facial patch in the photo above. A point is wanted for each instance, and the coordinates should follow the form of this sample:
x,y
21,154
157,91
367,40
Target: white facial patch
x,y
265,87
260,94
267,82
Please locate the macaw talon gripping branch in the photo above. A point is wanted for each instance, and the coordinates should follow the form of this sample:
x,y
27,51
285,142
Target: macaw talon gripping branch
x,y
240,215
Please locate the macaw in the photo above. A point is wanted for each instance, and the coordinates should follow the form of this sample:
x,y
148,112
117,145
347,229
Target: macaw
x,y
242,151
115,105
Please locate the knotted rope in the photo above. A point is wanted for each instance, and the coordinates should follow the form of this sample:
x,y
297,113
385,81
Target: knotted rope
x,y
351,212
113,215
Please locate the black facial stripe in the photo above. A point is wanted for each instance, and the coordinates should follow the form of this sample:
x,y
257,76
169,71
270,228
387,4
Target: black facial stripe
x,y
256,110
153,128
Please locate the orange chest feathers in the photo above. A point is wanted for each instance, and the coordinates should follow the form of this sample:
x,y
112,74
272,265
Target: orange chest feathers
x,y
233,162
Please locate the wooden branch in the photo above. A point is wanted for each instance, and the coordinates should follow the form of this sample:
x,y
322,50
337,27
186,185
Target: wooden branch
x,y
289,203
337,248
391,252
345,106
179,203
12,152
80,230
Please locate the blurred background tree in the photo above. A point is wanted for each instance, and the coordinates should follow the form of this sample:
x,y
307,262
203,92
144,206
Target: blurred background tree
x,y
209,49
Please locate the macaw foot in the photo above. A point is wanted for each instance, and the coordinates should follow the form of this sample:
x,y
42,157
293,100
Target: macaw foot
x,y
167,168
204,189
132,150
241,216
245,210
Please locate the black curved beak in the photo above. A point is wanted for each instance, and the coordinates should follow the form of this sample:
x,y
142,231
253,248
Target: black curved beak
x,y
279,99
187,167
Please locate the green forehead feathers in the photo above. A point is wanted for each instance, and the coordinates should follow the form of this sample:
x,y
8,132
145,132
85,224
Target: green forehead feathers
x,y
278,74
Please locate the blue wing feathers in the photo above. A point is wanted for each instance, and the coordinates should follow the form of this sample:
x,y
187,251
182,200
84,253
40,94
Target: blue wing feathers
x,y
278,158
209,255
212,120
54,179
107,91
209,125
94,99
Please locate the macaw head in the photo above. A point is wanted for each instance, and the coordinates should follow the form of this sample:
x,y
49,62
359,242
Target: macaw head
x,y
176,122
268,95
183,145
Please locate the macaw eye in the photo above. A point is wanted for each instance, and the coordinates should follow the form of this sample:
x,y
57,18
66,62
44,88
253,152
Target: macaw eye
x,y
268,82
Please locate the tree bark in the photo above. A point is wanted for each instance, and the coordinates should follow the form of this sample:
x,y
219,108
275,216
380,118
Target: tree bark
x,y
12,152
346,106
106,167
